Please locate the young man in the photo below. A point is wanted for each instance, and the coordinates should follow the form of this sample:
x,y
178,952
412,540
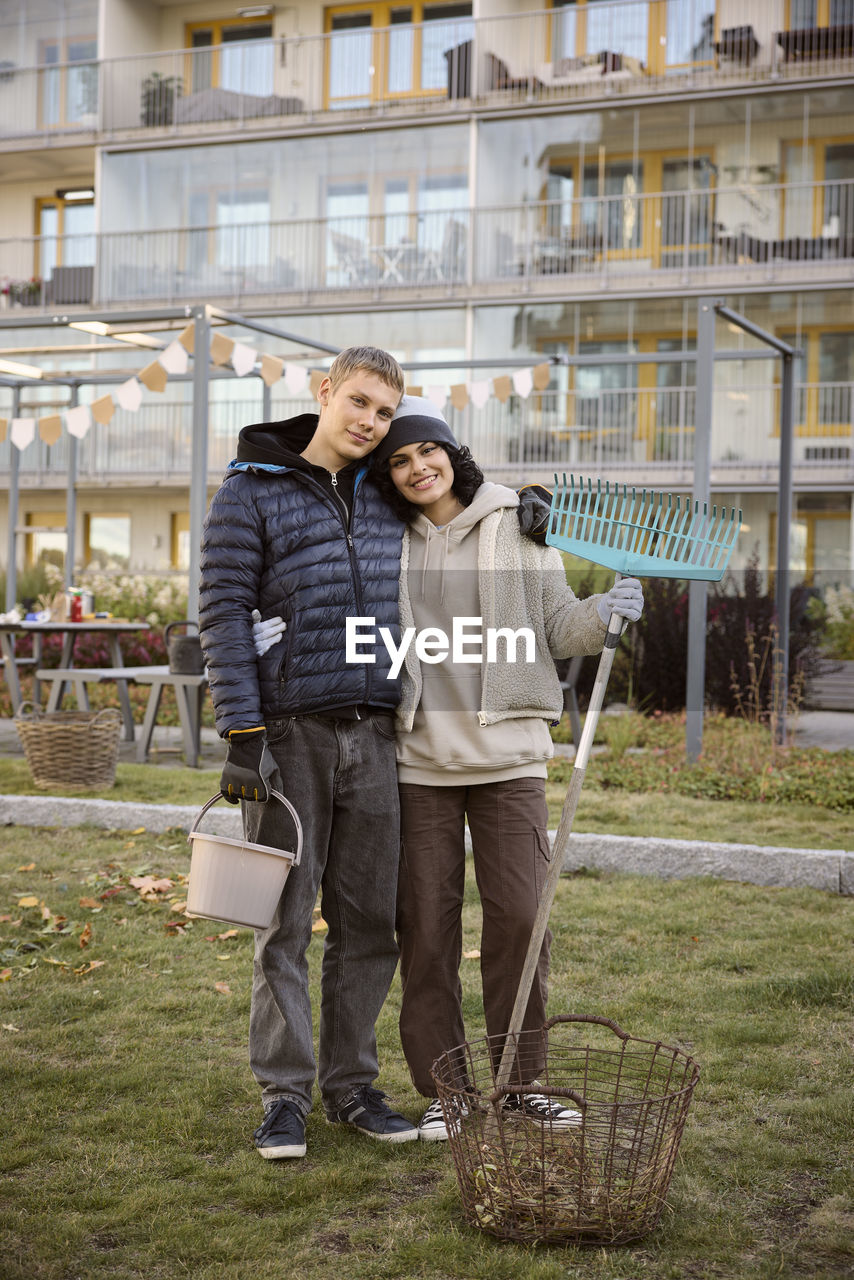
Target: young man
x,y
299,530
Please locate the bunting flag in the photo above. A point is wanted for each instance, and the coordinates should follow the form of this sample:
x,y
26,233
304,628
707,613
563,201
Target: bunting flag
x,y
187,337
129,395
271,369
415,391
243,359
22,432
523,383
459,395
438,395
315,378
502,387
103,409
296,378
4,423
221,348
479,392
542,376
154,376
50,428
174,358
79,419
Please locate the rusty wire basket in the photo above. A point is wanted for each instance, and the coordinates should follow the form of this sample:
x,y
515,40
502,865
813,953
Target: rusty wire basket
x,y
601,1179
74,750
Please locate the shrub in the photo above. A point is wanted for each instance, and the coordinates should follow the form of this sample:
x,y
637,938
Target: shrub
x,y
834,615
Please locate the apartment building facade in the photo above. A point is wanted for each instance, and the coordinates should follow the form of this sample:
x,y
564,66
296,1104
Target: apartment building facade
x,y
471,185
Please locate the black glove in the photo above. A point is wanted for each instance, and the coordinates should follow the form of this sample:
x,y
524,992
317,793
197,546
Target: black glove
x,y
534,509
248,766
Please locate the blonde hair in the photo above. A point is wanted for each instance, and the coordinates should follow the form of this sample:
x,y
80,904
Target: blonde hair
x,y
368,359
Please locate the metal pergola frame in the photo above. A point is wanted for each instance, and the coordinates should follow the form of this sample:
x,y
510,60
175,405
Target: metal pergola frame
x,y
705,355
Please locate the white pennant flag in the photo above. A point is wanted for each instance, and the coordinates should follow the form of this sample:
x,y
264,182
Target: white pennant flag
x,y
523,382
174,358
438,396
243,359
78,420
22,431
296,378
478,393
129,395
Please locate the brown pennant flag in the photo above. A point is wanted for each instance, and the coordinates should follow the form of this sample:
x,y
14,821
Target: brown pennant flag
x,y
503,387
541,375
272,369
459,395
103,409
187,338
154,376
221,348
4,425
316,376
50,428
415,391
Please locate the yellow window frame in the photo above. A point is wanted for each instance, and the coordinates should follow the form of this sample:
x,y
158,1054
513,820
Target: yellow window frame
x,y
215,26
89,516
59,203
810,519
822,15
810,428
41,520
381,30
59,69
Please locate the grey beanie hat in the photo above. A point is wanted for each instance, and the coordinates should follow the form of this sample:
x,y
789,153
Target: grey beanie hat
x,y
416,419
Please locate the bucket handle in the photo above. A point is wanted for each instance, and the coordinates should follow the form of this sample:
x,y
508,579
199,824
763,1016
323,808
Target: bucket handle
x,y
278,796
188,622
586,1017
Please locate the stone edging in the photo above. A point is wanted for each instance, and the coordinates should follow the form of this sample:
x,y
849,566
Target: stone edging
x,y
828,869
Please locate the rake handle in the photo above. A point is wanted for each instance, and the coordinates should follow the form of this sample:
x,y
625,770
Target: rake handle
x,y
560,850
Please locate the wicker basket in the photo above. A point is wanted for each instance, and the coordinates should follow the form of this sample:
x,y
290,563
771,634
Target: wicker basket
x,y
74,750
601,1179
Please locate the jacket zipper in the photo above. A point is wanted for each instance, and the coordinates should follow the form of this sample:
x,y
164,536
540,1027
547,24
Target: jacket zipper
x,y
351,551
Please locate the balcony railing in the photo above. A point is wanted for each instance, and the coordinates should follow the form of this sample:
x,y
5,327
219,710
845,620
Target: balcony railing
x,y
572,52
708,235
645,431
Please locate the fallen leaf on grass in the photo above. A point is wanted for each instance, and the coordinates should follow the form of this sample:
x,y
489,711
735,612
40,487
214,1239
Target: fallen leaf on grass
x,y
223,988
471,955
93,904
110,893
5,975
229,933
5,919
86,935
62,964
148,887
178,925
87,968
29,901
8,1026
46,912
138,831
31,866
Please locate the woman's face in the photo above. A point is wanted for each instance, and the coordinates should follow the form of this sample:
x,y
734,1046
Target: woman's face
x,y
423,474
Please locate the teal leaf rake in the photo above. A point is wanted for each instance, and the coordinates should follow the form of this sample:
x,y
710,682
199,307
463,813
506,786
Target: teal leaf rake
x,y
645,535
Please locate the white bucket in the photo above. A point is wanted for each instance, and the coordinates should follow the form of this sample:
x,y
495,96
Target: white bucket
x,y
234,880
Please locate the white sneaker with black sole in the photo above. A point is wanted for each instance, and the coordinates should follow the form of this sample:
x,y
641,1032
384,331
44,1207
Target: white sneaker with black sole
x,y
536,1106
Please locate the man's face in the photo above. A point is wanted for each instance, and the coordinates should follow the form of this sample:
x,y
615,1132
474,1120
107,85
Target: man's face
x,y
354,418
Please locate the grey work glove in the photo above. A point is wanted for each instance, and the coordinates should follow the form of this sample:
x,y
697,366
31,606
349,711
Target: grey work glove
x,y
266,634
625,599
534,509
249,766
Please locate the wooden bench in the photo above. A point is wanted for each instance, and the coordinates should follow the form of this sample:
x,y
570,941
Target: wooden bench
x,y
189,693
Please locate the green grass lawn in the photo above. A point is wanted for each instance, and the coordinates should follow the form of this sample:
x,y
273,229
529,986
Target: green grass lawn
x,y
129,1106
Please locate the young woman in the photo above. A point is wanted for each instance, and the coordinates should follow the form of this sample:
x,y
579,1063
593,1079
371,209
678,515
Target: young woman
x,y
473,737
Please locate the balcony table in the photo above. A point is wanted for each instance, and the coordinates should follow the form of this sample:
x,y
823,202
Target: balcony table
x,y
111,632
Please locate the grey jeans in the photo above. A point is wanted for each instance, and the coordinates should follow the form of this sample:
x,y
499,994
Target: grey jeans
x,y
340,776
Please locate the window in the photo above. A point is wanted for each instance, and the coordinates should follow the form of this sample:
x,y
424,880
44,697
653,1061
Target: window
x,y
596,26
690,33
824,383
106,540
47,542
686,219
380,51
68,87
66,231
180,540
610,207
231,55
243,230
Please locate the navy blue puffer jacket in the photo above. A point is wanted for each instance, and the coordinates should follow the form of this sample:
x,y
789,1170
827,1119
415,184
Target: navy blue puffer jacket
x,y
277,541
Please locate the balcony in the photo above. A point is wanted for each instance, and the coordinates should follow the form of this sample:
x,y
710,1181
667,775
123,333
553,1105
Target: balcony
x,y
759,236
642,434
577,53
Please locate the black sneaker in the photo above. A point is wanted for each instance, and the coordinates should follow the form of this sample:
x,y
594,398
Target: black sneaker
x,y
282,1132
365,1110
536,1106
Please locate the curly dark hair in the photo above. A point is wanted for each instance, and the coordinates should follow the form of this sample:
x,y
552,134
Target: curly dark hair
x,y
468,478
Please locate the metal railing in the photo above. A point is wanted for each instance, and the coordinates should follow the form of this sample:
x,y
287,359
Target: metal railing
x,y
629,429
709,234
572,52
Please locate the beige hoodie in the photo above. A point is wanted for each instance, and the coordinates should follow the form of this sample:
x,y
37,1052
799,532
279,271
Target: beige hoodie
x,y
473,722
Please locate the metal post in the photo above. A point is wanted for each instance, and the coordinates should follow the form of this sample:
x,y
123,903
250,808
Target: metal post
x,y
12,544
199,454
696,678
266,402
784,527
71,498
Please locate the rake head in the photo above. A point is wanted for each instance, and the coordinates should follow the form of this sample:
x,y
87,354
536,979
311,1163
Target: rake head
x,y
642,535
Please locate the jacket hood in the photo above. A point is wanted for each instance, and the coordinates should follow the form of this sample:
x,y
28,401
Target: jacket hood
x,y
277,444
489,497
